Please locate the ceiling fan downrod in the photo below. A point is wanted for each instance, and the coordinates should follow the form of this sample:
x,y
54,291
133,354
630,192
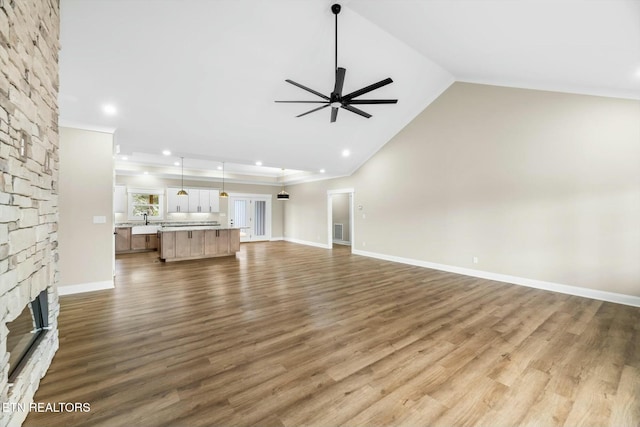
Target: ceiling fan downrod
x,y
336,10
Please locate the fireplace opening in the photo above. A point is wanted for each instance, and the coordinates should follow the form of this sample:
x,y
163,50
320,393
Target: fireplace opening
x,y
25,332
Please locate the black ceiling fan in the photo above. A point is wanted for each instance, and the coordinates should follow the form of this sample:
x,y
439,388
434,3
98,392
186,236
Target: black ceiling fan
x,y
336,99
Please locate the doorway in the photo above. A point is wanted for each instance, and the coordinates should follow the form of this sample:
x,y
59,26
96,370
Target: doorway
x,y
340,217
252,214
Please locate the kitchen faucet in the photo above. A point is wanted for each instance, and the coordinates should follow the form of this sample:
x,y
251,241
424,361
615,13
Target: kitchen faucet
x,y
146,219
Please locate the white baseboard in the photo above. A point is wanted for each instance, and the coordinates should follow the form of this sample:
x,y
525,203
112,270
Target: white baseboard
x,y
342,242
276,239
304,242
522,281
85,287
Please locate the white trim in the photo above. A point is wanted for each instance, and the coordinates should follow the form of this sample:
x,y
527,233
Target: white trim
x,y
341,191
153,190
85,287
522,281
277,239
342,242
71,124
265,196
304,242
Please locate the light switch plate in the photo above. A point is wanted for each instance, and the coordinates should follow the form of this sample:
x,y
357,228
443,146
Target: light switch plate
x,y
99,219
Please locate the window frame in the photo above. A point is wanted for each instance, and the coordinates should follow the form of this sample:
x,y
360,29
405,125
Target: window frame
x,y
132,205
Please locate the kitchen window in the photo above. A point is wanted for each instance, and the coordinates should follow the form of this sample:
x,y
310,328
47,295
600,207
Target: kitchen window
x,y
147,201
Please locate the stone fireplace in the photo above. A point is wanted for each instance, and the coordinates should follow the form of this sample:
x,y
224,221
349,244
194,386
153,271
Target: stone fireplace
x,y
29,39
25,333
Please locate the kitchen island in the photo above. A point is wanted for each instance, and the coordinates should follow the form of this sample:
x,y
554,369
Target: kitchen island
x,y
195,242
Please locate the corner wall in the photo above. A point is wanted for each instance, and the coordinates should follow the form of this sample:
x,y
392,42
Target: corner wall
x,y
86,198
536,185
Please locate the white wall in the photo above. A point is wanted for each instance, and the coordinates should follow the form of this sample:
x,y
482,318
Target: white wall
x,y
86,191
536,185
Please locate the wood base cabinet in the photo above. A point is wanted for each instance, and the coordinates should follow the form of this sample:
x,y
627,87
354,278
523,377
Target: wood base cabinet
x,y
123,239
141,242
128,242
189,244
195,244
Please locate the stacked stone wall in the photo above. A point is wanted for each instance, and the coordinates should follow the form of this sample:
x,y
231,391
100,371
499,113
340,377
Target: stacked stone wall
x,y
29,45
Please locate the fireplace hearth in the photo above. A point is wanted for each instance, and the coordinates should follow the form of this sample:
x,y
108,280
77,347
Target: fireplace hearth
x,y
26,332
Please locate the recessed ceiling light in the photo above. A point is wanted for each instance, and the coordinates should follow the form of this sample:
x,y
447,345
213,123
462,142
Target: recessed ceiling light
x,y
125,158
109,109
219,168
166,152
346,153
322,171
176,163
146,173
258,163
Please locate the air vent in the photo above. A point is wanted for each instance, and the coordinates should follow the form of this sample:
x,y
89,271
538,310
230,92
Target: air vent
x,y
337,231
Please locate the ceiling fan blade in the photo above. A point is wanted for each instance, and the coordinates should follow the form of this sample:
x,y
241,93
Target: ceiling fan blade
x,y
356,110
340,73
315,109
307,89
334,114
367,89
372,101
303,102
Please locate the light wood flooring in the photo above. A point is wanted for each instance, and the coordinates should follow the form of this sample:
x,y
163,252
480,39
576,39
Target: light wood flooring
x,y
289,335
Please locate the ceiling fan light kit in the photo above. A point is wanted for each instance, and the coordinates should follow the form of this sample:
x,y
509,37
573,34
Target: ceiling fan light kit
x,y
336,99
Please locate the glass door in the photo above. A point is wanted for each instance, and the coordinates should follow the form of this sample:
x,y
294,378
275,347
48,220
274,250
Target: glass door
x,y
252,215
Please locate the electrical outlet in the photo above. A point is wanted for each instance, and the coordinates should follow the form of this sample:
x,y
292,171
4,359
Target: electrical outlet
x,y
475,259
364,243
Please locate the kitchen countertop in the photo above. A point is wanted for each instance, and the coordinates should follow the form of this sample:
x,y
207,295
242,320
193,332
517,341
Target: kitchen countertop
x,y
197,227
169,223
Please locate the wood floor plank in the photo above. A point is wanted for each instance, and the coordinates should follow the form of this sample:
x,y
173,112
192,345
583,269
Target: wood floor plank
x,y
289,335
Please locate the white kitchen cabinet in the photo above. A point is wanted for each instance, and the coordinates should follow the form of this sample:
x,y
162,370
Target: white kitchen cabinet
x,y
120,199
176,203
198,200
214,200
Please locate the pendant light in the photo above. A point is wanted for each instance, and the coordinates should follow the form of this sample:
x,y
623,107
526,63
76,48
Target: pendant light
x,y
283,195
224,194
182,192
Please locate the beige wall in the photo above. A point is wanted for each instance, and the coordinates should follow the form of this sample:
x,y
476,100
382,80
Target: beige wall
x,y
86,190
535,184
149,181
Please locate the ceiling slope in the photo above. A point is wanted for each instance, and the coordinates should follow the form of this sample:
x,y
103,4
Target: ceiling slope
x,y
200,77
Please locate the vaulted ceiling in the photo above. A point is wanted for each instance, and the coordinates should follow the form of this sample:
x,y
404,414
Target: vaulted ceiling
x,y
200,77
